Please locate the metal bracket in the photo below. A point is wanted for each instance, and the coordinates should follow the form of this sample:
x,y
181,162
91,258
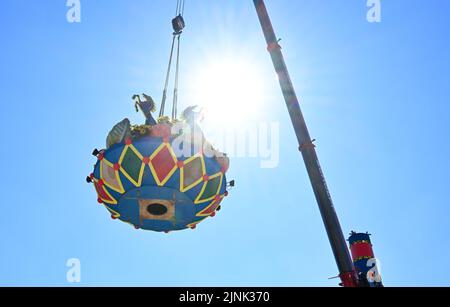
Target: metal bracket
x,y
273,46
307,145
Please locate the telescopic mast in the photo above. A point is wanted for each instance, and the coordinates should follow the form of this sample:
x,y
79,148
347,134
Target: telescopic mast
x,y
330,219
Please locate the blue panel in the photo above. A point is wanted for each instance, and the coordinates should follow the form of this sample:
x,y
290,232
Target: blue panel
x,y
361,265
355,237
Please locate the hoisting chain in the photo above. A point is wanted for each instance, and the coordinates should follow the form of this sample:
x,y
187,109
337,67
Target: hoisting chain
x,y
178,25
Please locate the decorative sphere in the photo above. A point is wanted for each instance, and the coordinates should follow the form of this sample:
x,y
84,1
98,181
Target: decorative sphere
x,y
142,182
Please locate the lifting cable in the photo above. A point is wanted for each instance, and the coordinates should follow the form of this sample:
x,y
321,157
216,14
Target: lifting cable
x,y
178,25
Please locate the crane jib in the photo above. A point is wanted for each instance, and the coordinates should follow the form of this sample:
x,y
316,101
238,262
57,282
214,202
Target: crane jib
x,y
334,231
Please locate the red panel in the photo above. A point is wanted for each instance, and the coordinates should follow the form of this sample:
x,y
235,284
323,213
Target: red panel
x,y
163,163
101,192
361,250
212,208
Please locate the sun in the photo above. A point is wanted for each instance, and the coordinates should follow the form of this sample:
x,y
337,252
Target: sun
x,y
230,90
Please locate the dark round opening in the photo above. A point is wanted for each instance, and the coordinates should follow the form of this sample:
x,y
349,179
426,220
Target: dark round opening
x,y
157,209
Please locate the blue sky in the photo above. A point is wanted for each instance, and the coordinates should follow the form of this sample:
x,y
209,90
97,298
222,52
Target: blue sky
x,y
375,96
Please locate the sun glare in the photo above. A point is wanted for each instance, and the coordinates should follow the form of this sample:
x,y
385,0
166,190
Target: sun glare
x,y
229,90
